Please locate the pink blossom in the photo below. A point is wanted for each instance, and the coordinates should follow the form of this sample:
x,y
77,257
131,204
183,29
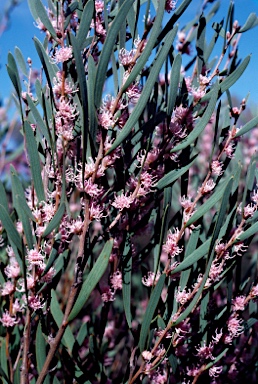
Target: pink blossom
x,y
147,355
239,303
209,186
205,351
126,57
7,320
35,257
123,201
215,371
254,291
234,326
108,295
240,248
92,189
13,269
151,279
249,210
182,296
116,280
96,212
171,247
170,5
218,335
8,288
99,6
216,167
63,54
35,303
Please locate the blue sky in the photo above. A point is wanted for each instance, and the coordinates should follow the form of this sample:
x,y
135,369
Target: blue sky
x,y
22,30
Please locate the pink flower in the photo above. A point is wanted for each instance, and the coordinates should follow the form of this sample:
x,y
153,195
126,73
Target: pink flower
x,y
249,210
35,303
123,201
63,54
254,291
205,351
34,257
151,279
13,269
215,371
239,303
171,247
108,295
7,320
209,186
182,296
170,5
147,355
8,289
116,280
216,167
126,57
234,326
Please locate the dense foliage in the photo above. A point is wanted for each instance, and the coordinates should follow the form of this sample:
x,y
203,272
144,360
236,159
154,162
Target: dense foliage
x,y
130,254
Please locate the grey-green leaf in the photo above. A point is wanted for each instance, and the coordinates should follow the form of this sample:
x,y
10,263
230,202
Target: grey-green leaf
x,y
92,279
154,300
32,149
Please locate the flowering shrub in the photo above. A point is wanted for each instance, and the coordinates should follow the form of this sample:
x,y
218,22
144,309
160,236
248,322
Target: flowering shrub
x,y
128,257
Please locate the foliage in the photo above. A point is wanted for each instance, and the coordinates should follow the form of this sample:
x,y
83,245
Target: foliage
x,y
130,256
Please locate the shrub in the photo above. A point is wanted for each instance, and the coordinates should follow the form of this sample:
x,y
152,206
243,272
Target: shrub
x,y
126,258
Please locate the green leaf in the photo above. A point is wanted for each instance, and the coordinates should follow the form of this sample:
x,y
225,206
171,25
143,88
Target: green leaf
x,y
154,300
21,61
92,279
49,68
41,351
83,93
93,124
155,30
68,338
248,232
174,175
193,258
108,48
40,122
15,73
10,228
177,13
174,82
3,197
247,127
54,223
216,196
216,231
251,22
52,258
148,88
127,277
32,150
17,191
202,122
42,15
4,365
85,22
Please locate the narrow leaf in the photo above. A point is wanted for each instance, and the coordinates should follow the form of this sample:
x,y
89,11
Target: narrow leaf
x,y
148,88
10,228
37,116
174,82
42,15
92,279
21,61
32,150
108,49
202,122
154,300
54,223
174,175
247,127
68,338
85,22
